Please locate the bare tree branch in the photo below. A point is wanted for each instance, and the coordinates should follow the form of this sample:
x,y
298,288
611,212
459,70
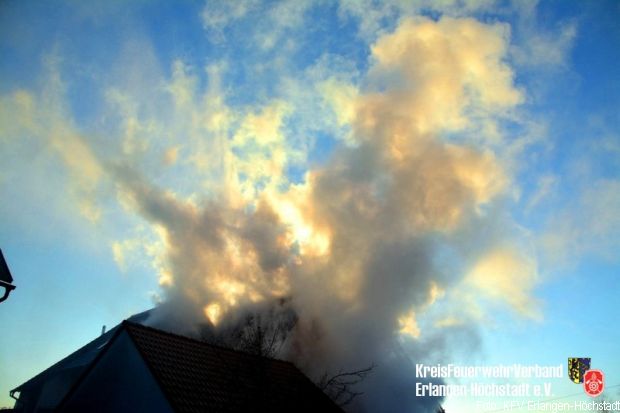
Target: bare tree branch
x,y
262,332
339,387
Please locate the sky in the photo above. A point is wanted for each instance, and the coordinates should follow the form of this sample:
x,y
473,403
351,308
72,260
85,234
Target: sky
x,y
427,182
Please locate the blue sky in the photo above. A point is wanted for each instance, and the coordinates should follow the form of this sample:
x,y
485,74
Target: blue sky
x,y
447,171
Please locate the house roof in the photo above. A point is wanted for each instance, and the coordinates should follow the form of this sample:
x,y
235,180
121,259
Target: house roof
x,y
79,359
199,377
196,376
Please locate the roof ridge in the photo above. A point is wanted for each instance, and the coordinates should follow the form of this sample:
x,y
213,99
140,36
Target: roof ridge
x,y
131,324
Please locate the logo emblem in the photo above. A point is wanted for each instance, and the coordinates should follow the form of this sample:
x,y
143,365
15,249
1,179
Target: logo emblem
x,y
594,382
577,367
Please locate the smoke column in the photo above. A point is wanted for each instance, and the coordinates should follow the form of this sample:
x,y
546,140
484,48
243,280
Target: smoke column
x,y
380,236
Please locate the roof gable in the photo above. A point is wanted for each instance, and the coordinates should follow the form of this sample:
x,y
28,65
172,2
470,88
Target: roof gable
x,y
117,381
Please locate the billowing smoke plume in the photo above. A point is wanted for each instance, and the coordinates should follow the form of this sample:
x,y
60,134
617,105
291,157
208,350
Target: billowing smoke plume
x,y
386,233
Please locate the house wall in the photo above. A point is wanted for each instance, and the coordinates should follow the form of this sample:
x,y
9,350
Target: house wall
x,y
55,388
119,382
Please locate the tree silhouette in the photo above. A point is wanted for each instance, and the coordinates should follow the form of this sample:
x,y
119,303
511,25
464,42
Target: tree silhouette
x,y
264,332
340,387
260,332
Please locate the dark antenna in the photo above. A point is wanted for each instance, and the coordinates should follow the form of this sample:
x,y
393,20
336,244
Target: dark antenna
x,y
5,278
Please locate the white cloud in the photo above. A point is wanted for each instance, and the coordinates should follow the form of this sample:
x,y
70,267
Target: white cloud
x,y
549,49
41,121
588,225
507,276
218,14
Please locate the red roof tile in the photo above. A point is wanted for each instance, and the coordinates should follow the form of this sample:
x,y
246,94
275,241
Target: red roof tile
x,y
199,377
